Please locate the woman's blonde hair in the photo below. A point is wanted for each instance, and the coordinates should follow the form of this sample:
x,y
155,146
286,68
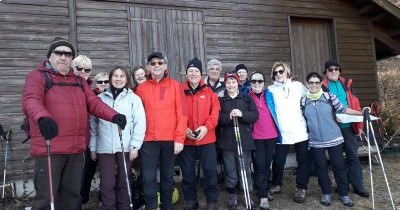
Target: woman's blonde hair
x,y
100,75
81,60
285,66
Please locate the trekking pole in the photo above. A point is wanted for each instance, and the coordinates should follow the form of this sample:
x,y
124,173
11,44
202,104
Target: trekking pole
x,y
4,138
242,163
50,174
366,136
367,115
125,168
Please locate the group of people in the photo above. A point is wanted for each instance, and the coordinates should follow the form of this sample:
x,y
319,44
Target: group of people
x,y
157,120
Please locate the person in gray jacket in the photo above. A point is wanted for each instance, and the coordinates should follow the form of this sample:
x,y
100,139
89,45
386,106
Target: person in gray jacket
x,y
105,142
319,110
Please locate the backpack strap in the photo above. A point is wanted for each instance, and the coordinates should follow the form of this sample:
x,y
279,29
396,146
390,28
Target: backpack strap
x,y
329,99
48,81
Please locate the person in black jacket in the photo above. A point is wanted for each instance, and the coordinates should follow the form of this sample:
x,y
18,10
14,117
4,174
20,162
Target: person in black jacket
x,y
234,104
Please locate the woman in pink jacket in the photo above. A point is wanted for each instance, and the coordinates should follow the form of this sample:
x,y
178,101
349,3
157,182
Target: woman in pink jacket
x,y
264,135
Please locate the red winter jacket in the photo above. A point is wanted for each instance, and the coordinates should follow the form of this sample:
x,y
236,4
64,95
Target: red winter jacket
x,y
166,116
67,105
352,100
203,110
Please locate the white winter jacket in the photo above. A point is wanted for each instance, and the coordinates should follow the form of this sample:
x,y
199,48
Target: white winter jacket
x,y
104,137
288,114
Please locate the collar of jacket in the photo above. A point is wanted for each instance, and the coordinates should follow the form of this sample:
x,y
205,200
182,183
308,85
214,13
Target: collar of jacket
x,y
227,97
253,94
346,83
216,85
189,91
124,92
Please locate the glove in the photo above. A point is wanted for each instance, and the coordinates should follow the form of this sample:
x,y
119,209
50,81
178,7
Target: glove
x,y
120,120
48,128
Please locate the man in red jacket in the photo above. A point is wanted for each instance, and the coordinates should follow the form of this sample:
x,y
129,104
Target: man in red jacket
x,y
203,111
162,98
342,88
59,113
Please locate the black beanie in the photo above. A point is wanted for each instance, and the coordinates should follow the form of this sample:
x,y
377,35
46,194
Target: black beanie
x,y
240,66
332,62
58,41
195,62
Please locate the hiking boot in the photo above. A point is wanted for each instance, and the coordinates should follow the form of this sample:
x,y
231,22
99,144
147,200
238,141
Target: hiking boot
x,y
275,189
191,205
270,196
362,193
232,201
212,206
300,195
264,205
326,199
346,200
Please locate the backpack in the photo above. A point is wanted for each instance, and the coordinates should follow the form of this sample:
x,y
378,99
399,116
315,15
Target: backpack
x,y
49,83
304,102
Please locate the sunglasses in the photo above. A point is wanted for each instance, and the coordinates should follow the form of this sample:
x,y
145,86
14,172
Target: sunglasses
x,y
99,82
314,83
160,63
333,69
280,72
83,69
254,81
61,53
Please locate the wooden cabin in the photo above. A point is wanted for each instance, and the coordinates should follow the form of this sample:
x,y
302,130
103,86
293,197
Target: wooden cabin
x,y
257,33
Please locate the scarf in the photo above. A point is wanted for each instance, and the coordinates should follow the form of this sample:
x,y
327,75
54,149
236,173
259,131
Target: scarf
x,y
314,96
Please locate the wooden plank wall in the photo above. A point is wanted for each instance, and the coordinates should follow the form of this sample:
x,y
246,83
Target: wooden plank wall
x,y
254,32
26,29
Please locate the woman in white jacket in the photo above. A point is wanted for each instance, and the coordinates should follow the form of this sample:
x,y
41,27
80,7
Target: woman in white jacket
x,y
283,98
105,143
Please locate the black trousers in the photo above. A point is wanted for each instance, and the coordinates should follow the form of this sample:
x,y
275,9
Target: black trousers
x,y
262,163
66,174
338,166
208,160
303,162
152,154
354,173
89,169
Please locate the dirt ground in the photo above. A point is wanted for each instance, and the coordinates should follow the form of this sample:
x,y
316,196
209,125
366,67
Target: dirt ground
x,y
284,200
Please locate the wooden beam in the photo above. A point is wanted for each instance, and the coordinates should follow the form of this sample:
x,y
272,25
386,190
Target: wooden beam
x,y
384,37
394,33
379,17
367,9
72,24
386,5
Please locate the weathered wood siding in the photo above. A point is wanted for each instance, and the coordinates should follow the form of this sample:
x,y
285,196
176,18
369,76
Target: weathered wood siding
x,y
254,32
26,28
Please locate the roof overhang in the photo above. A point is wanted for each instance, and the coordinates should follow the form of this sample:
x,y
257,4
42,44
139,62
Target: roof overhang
x,y
385,23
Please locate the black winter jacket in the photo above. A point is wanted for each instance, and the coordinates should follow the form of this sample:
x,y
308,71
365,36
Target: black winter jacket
x,y
226,135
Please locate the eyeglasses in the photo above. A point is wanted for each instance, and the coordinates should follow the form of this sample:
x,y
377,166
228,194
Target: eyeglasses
x,y
99,82
83,69
280,72
61,53
314,83
254,81
334,69
160,63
